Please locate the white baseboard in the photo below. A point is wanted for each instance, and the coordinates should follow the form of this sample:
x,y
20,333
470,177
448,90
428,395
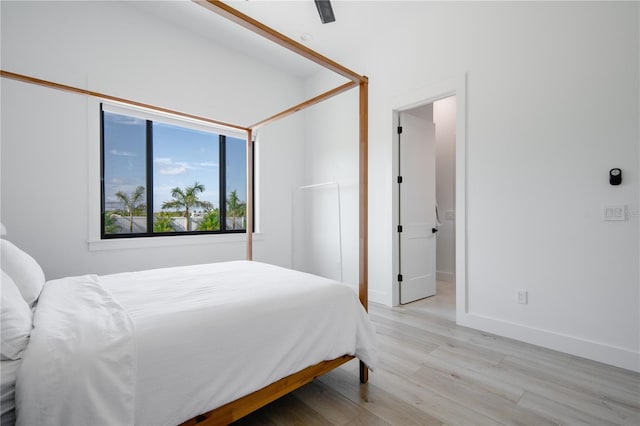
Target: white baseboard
x,y
446,276
379,297
375,296
596,351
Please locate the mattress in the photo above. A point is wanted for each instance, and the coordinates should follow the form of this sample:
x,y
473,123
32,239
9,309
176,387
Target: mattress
x,y
162,346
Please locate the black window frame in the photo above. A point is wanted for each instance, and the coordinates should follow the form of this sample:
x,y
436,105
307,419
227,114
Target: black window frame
x,y
222,178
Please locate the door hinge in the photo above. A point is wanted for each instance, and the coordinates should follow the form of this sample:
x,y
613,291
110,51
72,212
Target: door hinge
x,y
399,277
399,130
399,228
399,179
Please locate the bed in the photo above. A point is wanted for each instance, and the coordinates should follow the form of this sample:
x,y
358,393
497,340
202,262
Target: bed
x,y
168,345
135,340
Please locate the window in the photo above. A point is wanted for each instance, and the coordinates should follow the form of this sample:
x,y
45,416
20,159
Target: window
x,y
166,176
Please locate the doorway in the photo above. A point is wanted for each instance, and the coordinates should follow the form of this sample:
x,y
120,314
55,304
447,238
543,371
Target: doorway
x,y
426,144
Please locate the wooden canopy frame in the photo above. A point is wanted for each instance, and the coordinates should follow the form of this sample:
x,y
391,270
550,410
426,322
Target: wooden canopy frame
x,y
245,405
357,80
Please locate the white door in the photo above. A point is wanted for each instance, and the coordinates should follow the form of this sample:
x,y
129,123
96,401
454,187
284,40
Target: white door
x,y
417,209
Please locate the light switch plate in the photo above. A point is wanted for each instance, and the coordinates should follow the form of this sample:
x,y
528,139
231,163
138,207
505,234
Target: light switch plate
x,y
523,297
611,213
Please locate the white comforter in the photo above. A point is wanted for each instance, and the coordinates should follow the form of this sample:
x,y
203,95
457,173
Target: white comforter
x,y
161,346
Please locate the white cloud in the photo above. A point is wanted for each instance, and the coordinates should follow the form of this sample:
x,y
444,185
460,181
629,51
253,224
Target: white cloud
x,y
123,153
170,167
208,164
177,170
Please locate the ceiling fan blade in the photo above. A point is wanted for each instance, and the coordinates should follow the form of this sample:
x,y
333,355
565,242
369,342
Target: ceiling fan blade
x,y
325,10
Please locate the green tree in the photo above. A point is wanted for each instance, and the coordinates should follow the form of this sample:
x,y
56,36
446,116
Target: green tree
x,y
211,222
110,224
235,208
187,199
162,222
132,203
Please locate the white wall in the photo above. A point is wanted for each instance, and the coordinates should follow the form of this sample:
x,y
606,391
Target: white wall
x,y
48,148
329,129
278,174
551,106
444,117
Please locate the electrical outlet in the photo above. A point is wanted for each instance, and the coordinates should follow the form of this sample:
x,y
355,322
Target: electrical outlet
x,y
523,297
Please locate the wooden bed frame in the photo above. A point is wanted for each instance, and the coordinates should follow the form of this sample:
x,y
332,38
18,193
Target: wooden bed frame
x,y
241,407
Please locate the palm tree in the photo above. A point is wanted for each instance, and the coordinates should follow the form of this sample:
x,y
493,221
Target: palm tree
x,y
162,222
186,200
211,222
134,202
235,207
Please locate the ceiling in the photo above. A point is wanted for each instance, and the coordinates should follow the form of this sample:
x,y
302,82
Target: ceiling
x,y
293,18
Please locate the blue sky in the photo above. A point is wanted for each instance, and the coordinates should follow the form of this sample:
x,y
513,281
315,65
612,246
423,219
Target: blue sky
x,y
181,157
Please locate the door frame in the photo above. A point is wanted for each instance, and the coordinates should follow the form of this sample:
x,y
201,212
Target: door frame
x,y
421,96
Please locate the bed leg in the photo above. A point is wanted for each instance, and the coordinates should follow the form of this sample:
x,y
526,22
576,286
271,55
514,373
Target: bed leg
x,y
364,373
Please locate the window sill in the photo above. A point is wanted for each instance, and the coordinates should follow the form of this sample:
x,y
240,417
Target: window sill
x,y
172,241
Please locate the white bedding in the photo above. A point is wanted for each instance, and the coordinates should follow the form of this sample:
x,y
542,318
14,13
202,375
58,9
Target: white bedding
x,y
179,341
8,375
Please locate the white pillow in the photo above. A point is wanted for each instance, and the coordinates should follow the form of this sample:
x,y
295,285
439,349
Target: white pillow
x,y
23,269
16,319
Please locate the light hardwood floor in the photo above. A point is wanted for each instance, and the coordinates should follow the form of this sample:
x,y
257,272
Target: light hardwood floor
x,y
433,372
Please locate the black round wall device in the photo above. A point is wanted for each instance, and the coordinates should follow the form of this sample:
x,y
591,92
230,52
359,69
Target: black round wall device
x,y
615,176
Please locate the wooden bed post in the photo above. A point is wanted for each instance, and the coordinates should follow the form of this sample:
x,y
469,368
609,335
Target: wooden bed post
x,y
364,205
249,212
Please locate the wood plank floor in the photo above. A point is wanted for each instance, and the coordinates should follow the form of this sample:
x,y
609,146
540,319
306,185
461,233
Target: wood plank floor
x,y
433,372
